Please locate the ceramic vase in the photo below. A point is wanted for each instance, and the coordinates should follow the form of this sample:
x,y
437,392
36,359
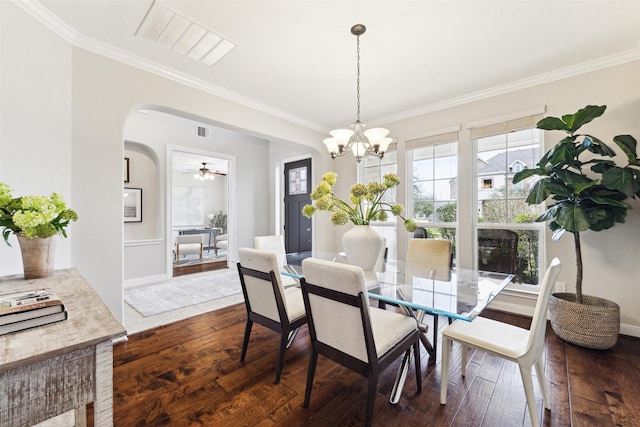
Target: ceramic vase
x,y
38,256
362,246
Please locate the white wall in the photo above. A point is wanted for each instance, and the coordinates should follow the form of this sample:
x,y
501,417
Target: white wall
x,y
35,121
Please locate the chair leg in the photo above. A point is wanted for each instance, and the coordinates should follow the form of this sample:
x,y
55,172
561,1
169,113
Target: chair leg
x,y
281,351
444,369
416,355
245,343
527,381
371,398
313,359
292,336
544,384
463,358
435,335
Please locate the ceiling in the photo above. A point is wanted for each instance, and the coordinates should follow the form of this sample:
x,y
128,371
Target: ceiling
x,y
297,59
187,162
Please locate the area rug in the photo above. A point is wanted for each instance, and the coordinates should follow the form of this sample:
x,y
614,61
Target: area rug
x,y
182,292
207,256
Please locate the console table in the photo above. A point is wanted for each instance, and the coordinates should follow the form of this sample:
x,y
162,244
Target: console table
x,y
58,368
210,231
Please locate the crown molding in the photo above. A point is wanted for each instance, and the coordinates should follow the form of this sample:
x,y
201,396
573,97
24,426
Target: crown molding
x,y
44,16
48,19
563,73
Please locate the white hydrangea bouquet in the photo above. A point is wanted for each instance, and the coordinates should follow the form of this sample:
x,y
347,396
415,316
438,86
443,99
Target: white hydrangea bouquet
x,y
33,216
367,204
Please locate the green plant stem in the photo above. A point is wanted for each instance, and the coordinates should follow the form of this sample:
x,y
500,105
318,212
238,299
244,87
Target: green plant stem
x,y
576,243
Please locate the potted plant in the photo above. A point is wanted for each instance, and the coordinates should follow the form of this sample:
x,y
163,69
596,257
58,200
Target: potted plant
x,y
362,244
35,220
587,190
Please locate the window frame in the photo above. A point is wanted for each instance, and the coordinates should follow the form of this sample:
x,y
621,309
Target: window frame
x,y
526,122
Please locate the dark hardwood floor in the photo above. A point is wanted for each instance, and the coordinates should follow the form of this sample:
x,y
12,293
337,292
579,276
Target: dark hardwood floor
x,y
198,268
189,374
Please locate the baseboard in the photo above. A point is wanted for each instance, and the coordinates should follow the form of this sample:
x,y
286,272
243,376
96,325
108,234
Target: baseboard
x,y
132,283
508,307
629,330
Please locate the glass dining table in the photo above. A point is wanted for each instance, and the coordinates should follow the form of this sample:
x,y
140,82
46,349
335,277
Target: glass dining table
x,y
455,293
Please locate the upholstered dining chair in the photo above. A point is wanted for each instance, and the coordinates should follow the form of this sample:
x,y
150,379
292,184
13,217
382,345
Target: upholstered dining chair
x,y
222,242
188,244
267,302
275,244
430,254
429,258
345,329
507,341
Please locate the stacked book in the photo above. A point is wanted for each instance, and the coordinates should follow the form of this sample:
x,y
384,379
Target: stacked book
x,y
29,309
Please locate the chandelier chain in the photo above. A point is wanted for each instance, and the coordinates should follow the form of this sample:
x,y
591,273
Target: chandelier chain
x,y
358,74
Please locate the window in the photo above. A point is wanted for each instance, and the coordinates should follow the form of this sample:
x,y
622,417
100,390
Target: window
x,y
508,238
373,169
433,201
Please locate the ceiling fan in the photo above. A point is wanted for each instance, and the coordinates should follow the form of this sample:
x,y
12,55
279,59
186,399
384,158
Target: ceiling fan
x,y
204,173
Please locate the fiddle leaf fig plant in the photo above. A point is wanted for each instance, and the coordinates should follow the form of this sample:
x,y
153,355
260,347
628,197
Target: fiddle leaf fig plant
x,y
586,187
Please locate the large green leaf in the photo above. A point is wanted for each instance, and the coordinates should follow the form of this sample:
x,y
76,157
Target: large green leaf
x,y
601,165
620,179
571,177
580,187
628,144
608,201
526,173
583,116
552,123
543,189
563,152
598,147
573,218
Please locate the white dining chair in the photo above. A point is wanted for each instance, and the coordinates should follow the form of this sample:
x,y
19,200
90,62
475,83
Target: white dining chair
x,y
507,341
267,302
275,244
345,329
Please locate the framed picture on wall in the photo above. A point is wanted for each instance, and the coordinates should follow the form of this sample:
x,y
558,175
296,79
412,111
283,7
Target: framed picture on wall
x,y
187,206
132,204
126,169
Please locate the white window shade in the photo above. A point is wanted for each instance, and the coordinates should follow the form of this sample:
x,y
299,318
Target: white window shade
x,y
443,138
506,126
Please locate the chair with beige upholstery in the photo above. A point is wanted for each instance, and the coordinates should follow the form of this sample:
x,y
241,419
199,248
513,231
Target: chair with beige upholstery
x,y
275,244
188,244
222,242
346,330
267,302
429,258
430,254
507,341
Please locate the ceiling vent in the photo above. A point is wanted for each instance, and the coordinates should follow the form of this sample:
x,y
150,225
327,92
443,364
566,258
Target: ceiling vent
x,y
180,34
203,131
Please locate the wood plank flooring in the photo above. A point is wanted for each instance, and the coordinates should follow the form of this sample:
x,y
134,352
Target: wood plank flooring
x,y
189,374
198,268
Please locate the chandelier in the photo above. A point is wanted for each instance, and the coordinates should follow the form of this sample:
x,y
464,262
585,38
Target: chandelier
x,y
204,173
372,141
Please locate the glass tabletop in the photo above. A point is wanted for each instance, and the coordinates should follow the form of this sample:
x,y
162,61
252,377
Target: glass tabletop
x,y
457,293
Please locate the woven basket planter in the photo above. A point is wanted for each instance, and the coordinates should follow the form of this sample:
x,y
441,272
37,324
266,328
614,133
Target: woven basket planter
x,y
594,324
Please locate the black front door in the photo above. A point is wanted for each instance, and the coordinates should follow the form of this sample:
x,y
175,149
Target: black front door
x,y
297,188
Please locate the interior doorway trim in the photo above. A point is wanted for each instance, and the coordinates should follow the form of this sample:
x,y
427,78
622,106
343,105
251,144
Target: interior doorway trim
x,y
231,203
